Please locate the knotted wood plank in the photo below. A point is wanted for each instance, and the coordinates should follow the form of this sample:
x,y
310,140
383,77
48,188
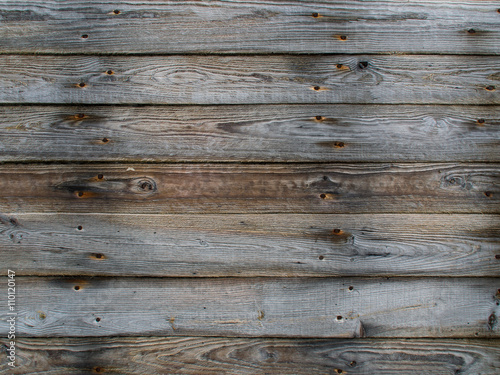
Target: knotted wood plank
x,y
215,356
463,27
257,307
250,245
269,133
249,188
360,79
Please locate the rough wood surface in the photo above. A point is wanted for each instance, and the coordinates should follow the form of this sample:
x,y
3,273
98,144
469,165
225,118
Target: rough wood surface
x,y
293,26
373,133
288,307
250,245
247,188
360,79
231,356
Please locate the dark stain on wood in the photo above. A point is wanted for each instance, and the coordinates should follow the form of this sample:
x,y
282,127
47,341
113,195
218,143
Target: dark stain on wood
x,y
110,188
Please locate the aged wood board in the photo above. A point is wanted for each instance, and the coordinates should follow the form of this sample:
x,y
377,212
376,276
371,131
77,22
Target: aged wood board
x,y
247,356
294,26
205,245
257,307
262,133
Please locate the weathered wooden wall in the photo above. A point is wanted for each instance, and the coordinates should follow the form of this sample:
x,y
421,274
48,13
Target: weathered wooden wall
x,y
236,187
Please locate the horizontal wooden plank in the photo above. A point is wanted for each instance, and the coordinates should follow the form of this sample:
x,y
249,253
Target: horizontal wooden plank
x,y
465,26
250,245
250,188
360,79
251,133
215,356
288,307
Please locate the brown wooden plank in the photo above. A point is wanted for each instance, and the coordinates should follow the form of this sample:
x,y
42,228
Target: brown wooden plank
x,y
250,245
360,79
215,356
96,26
257,307
247,188
251,133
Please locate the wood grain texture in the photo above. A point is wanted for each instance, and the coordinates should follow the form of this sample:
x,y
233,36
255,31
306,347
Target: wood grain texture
x,y
250,245
360,79
263,307
292,26
231,356
247,188
267,133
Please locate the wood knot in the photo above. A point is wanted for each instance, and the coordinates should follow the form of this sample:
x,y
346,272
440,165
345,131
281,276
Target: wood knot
x,y
97,256
363,65
147,185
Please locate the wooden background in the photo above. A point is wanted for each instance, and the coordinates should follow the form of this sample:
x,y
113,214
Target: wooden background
x,y
251,187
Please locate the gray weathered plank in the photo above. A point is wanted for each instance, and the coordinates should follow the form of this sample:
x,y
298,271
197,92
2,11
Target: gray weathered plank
x,y
251,133
291,307
250,245
250,188
34,26
229,356
379,79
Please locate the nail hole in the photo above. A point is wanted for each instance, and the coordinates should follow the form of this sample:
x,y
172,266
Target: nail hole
x,y
100,176
82,84
339,317
315,15
319,118
339,144
497,256
80,227
321,257
471,31
80,193
363,64
480,121
351,288
105,140
110,72
340,66
97,319
490,88
336,231
343,37
338,371
488,194
498,10
116,11
76,287
353,364
316,88
98,256
322,196
325,178
80,115
98,369
85,36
